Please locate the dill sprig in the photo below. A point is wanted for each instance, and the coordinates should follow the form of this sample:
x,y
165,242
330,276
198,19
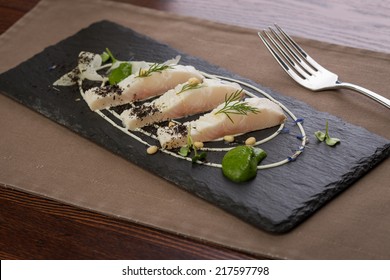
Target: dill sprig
x,y
233,105
193,83
156,67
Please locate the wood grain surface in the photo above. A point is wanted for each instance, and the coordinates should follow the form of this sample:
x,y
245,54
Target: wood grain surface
x,y
33,227
354,23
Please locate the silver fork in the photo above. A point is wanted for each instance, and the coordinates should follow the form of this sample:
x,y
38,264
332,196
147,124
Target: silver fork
x,y
303,69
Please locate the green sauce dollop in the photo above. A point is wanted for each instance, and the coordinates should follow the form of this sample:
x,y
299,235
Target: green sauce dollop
x,y
240,163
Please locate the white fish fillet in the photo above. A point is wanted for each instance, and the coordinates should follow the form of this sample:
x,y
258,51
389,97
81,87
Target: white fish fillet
x,y
213,126
135,88
177,103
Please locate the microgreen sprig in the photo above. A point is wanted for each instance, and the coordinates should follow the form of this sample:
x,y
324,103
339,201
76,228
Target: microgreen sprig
x,y
106,55
120,72
233,105
186,150
321,136
156,67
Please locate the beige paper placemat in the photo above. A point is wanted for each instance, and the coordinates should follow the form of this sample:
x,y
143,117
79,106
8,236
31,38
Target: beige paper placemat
x,y
39,156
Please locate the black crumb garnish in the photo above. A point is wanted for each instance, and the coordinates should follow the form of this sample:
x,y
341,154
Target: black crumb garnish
x,y
109,89
85,60
179,129
144,110
74,75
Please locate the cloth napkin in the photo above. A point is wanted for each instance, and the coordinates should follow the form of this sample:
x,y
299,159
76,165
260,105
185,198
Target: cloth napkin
x,y
41,157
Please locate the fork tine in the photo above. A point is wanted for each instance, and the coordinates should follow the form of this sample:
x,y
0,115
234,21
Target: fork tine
x,y
291,57
285,45
299,49
279,48
279,59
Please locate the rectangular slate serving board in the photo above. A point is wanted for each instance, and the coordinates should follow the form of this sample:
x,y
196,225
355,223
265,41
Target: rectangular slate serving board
x,y
277,200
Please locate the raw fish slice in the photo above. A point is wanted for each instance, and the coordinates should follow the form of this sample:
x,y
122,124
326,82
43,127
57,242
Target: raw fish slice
x,y
135,88
213,125
185,99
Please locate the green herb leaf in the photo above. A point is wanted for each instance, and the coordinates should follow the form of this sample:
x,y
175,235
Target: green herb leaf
x,y
188,87
184,151
332,141
202,156
325,136
153,68
189,138
192,83
110,55
197,156
320,135
105,57
233,105
120,73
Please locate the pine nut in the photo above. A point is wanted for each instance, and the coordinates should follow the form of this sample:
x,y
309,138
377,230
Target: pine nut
x,y
152,150
193,81
228,138
199,145
250,141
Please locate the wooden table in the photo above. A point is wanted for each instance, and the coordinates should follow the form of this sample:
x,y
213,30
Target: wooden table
x,y
32,227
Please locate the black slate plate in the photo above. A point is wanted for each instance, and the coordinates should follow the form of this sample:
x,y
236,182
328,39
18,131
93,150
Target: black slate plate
x,y
276,200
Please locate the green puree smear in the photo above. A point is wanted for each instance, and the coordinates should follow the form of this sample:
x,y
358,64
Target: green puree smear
x,y
240,163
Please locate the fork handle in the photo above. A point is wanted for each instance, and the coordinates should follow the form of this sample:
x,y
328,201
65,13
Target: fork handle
x,y
379,98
